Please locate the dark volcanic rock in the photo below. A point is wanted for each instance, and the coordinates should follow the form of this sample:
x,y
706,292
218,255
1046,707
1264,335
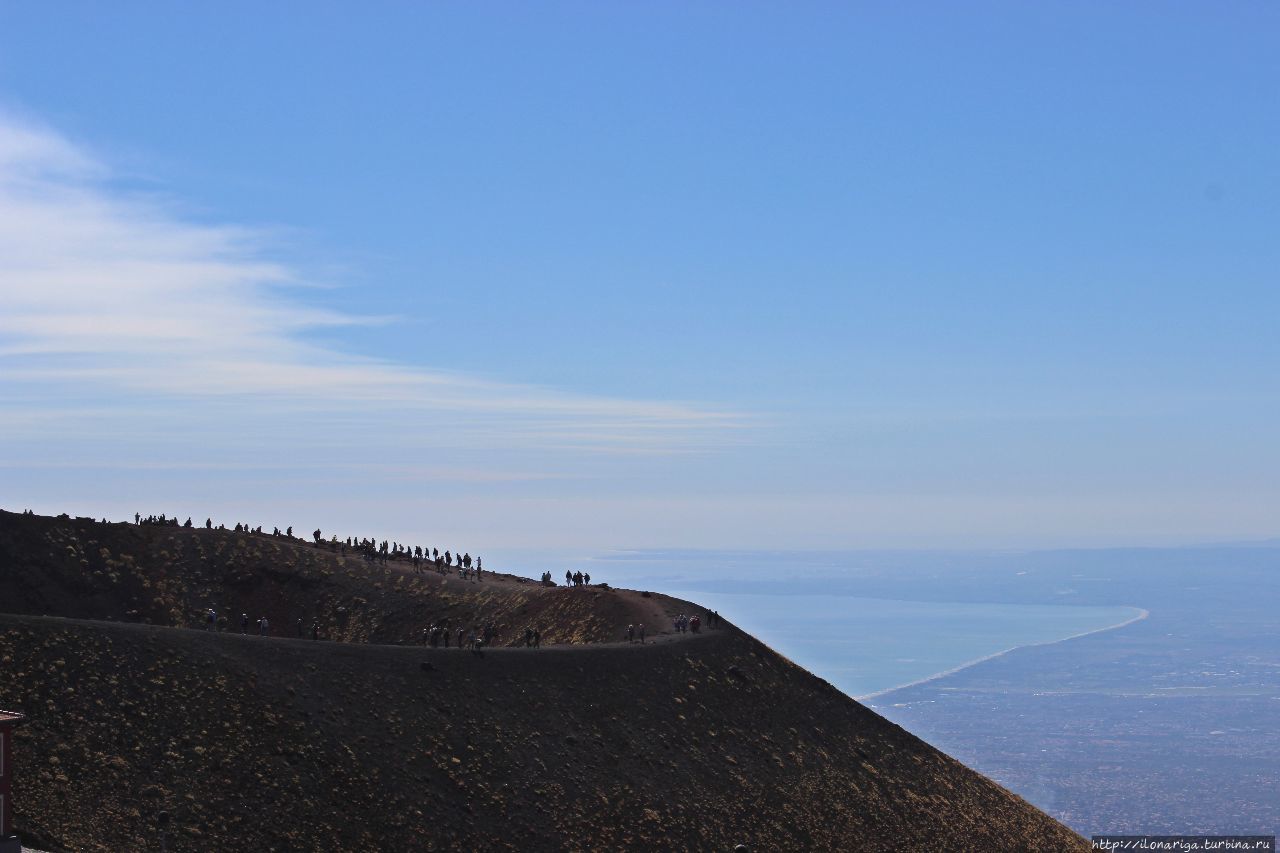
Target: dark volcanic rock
x,y
286,744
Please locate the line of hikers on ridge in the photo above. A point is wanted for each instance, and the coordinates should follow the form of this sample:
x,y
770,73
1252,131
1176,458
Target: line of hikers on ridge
x,y
420,557
423,558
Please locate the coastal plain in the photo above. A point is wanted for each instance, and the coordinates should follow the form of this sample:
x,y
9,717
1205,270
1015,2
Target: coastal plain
x,y
1163,726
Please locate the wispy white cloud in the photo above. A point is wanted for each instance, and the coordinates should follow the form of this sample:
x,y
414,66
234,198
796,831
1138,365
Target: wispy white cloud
x,y
112,301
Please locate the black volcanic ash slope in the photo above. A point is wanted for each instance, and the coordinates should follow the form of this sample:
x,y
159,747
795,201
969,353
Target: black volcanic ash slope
x,y
295,745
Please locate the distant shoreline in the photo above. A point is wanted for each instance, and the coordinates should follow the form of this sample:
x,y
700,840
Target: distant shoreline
x,y
1142,614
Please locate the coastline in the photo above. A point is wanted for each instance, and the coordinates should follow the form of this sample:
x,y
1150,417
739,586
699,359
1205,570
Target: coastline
x,y
867,697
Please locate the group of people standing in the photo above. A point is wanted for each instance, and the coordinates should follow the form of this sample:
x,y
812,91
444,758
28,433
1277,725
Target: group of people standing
x,y
263,624
571,578
138,518
474,638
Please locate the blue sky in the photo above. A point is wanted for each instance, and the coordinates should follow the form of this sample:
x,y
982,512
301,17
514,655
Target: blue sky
x,y
617,275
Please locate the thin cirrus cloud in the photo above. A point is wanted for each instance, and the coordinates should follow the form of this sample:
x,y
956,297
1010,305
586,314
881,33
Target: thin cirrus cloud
x,y
114,302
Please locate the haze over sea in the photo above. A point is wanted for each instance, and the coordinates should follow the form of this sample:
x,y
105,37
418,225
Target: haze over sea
x,y
806,607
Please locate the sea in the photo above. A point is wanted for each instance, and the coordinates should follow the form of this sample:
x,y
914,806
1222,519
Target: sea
x,y
863,645
867,646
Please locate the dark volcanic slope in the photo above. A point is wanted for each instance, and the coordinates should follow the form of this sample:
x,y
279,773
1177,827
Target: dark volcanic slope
x,y
288,744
